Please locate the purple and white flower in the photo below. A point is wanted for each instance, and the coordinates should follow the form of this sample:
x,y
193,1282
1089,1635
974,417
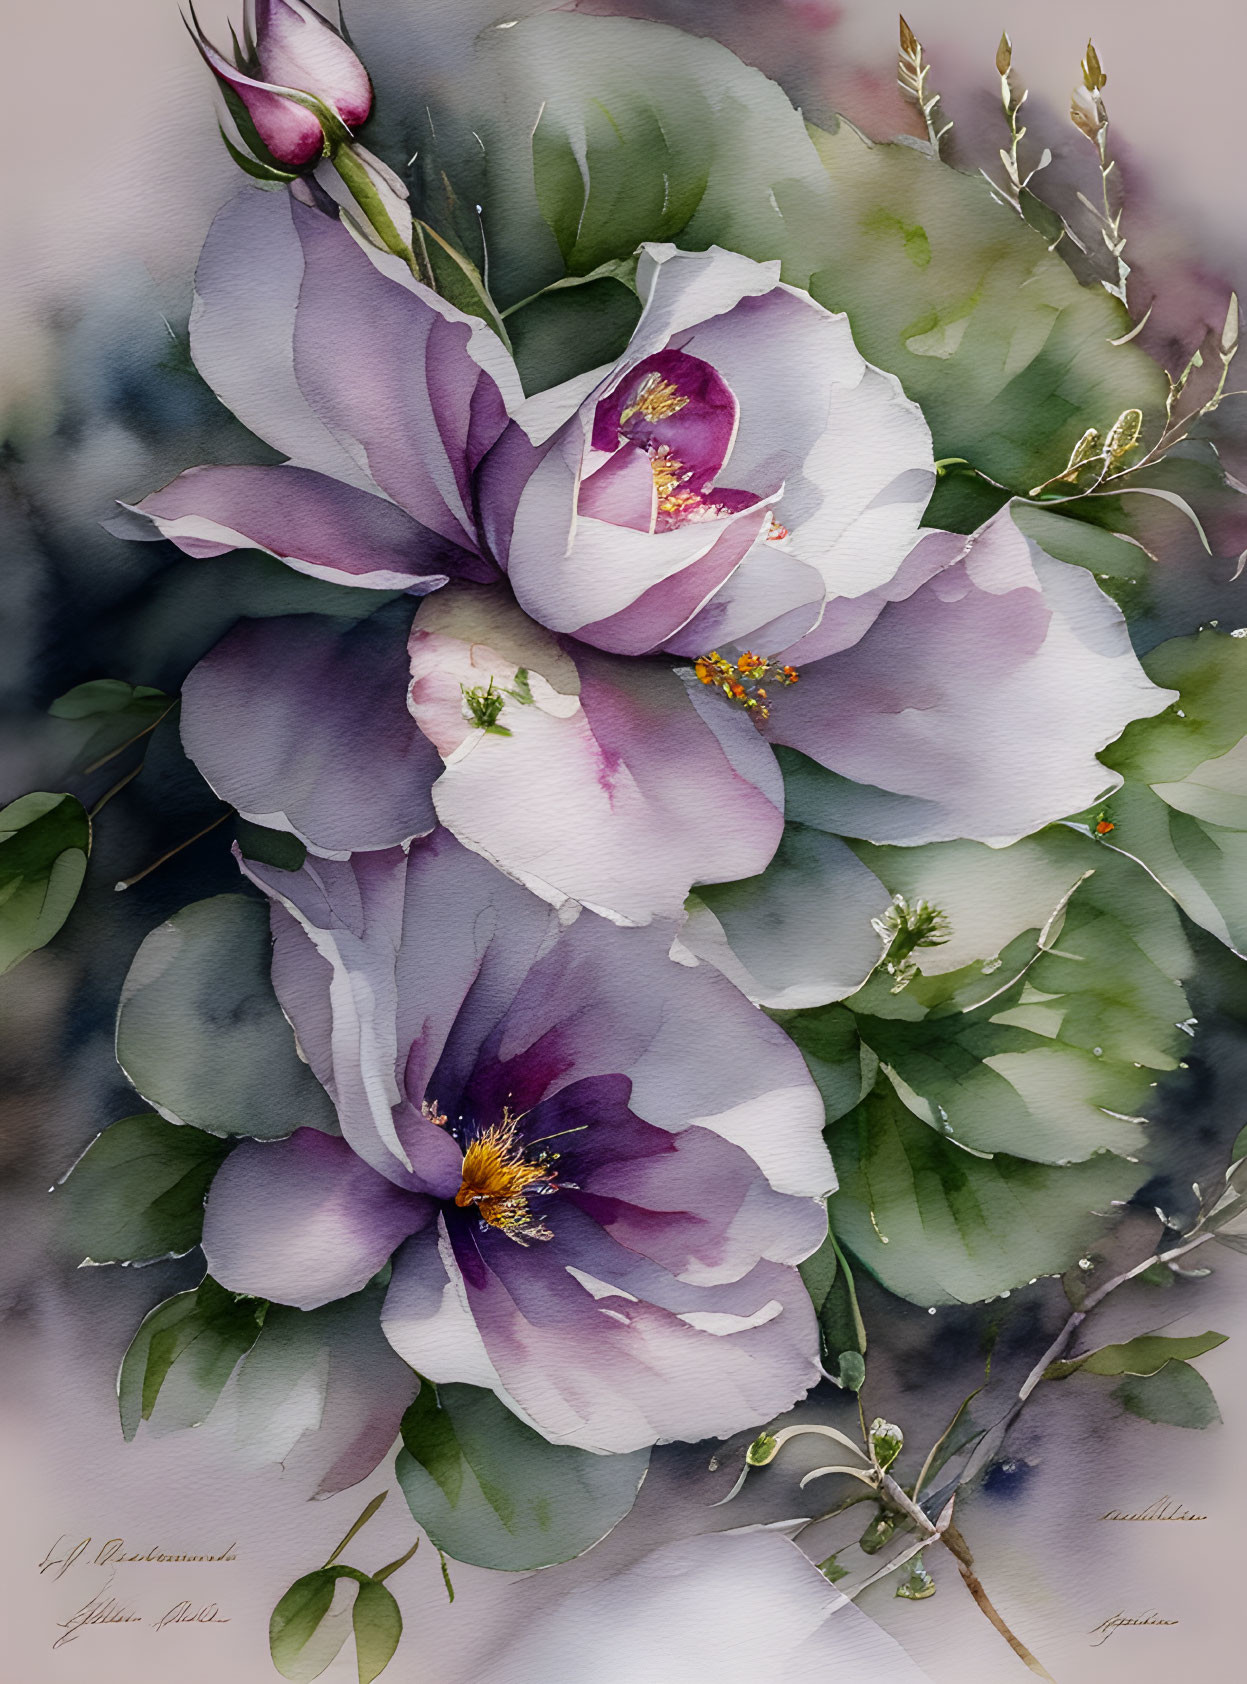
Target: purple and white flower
x,y
649,575
595,1169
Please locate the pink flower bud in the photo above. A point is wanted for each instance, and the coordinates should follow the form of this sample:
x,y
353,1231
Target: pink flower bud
x,y
297,48
290,51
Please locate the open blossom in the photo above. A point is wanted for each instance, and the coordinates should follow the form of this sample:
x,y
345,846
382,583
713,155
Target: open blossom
x,y
594,1168
650,576
293,50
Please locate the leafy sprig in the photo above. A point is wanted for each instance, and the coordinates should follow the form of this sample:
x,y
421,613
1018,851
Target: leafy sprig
x,y
913,77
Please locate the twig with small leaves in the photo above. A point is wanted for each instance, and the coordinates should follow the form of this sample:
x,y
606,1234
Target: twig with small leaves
x,y
1106,457
912,76
1089,116
1012,101
884,1442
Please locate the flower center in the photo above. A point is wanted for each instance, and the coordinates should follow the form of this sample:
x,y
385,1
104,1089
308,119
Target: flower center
x,y
498,1181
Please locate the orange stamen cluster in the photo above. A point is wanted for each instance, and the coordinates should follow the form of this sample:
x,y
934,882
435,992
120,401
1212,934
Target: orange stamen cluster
x,y
744,680
497,1181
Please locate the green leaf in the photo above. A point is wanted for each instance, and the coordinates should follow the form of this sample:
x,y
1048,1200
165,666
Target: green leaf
x,y
581,137
1146,1355
832,1570
300,1644
44,843
567,331
137,1192
1106,554
819,1271
843,1068
182,1355
1183,811
800,933
940,1225
851,1370
108,714
459,280
308,1626
841,1328
1177,1395
987,329
1051,1048
200,1032
378,1625
491,1491
270,847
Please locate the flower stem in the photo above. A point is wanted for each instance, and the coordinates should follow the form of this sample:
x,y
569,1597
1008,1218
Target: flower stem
x,y
363,1520
364,191
116,789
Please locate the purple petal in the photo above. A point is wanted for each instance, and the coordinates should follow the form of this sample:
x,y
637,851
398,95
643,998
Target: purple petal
x,y
299,724
321,1392
242,331
610,1003
374,1012
596,1363
585,577
600,791
689,1201
396,375
315,524
304,1220
621,492
651,621
974,708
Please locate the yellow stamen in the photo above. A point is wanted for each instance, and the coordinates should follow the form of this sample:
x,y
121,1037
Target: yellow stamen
x,y
668,473
655,400
496,1179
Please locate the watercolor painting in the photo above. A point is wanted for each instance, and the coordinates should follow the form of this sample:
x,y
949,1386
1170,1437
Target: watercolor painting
x,y
623,851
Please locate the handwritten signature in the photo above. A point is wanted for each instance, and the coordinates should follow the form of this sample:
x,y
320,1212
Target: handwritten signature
x,y
113,1551
1164,1508
1114,1623
103,1610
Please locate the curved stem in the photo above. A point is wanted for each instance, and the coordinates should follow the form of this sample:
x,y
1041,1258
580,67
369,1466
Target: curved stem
x,y
363,1520
965,1566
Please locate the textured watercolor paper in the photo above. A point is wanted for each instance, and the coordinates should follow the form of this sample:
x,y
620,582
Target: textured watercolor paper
x,y
607,665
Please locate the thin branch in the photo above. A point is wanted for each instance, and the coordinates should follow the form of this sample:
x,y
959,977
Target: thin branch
x,y
129,882
992,1440
965,1566
130,741
116,789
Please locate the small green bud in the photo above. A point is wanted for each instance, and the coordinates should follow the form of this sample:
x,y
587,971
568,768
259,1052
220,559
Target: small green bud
x,y
877,1533
886,1443
762,1450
